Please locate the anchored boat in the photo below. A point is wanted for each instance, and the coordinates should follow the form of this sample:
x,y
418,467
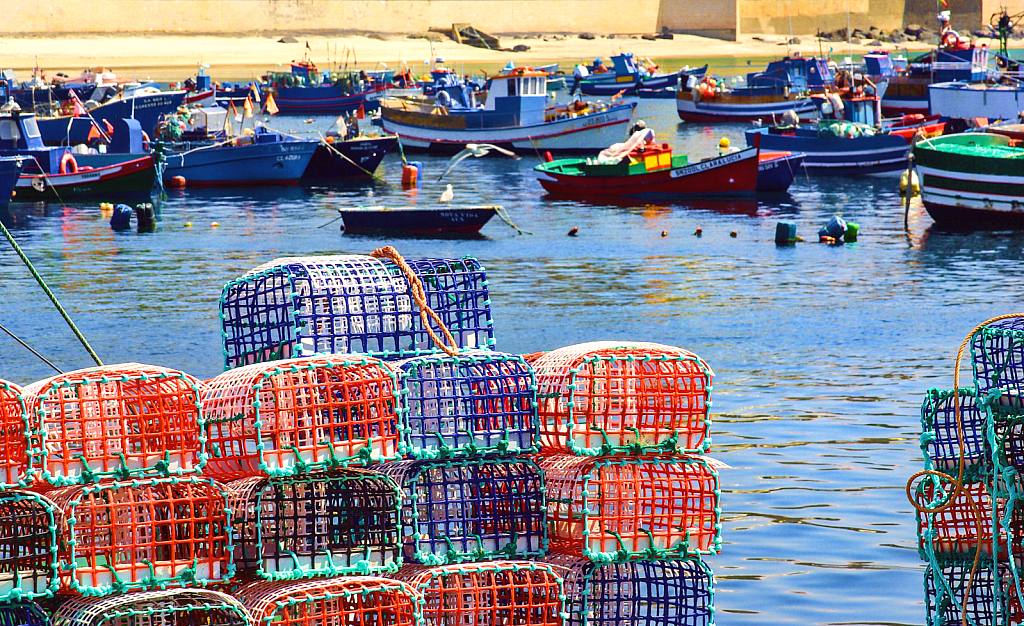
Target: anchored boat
x,y
416,219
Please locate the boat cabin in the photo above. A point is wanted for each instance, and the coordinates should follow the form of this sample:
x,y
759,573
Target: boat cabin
x,y
625,67
517,98
20,136
800,74
851,107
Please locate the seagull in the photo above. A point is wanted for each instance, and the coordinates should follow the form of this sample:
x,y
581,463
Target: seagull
x,y
447,195
477,150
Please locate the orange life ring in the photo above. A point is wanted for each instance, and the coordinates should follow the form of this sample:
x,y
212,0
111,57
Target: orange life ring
x,y
951,39
145,142
68,164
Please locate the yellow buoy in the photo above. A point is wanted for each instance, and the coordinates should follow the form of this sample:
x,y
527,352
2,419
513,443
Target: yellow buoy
x,y
214,224
188,224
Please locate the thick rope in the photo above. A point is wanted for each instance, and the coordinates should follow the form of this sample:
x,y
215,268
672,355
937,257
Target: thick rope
x,y
418,294
958,482
53,298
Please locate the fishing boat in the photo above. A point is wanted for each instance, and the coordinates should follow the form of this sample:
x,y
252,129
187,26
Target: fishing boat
x,y
630,76
341,157
972,180
305,90
514,114
776,170
785,85
416,219
990,100
846,139
145,104
650,171
10,170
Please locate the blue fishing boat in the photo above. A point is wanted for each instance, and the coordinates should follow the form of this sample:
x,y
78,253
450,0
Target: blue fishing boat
x,y
627,75
515,114
10,170
776,170
851,137
305,90
146,105
416,219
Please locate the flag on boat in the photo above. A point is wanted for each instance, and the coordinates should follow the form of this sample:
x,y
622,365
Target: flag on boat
x,y
361,113
255,92
271,105
94,133
248,108
79,108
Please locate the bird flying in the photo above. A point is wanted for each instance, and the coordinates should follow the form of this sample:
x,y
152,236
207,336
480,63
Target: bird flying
x,y
447,195
477,150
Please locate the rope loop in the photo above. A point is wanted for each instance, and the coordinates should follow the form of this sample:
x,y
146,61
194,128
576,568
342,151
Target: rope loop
x,y
420,296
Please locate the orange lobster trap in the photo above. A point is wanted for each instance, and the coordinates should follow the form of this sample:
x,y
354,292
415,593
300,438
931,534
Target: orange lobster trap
x,y
116,421
961,528
626,508
342,522
16,467
143,534
609,397
524,593
302,415
352,601
652,593
29,540
165,607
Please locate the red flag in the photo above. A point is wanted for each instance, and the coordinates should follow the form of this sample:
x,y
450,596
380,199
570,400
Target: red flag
x,y
361,113
94,133
234,111
78,108
271,105
110,129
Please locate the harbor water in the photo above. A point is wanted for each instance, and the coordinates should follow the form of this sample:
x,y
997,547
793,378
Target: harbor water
x,y
822,353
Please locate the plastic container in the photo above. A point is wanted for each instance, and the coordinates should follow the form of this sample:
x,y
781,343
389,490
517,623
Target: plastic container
x,y
852,228
785,233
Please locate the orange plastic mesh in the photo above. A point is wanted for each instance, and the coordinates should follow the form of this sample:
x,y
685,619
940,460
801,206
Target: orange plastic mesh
x,y
301,415
343,601
522,593
116,421
14,457
956,528
144,534
618,508
607,397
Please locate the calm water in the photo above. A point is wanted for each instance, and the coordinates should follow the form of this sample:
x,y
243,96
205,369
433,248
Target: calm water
x,y
822,353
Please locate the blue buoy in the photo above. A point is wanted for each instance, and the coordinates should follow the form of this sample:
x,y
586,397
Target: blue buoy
x,y
122,217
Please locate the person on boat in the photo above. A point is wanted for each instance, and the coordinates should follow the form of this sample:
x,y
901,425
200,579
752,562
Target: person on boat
x,y
599,67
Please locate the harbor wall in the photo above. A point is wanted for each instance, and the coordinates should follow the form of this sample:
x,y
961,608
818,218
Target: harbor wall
x,y
812,16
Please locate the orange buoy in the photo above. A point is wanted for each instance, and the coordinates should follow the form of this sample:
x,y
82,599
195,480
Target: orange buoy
x,y
409,175
176,182
547,156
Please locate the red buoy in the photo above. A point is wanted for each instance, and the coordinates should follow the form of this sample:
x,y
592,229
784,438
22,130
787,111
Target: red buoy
x,y
176,182
547,156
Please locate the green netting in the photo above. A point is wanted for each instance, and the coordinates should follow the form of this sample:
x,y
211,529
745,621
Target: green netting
x,y
994,152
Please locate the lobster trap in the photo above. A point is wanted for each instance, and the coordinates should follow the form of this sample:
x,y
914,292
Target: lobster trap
x,y
299,306
15,463
476,402
115,421
949,586
301,415
166,607
144,534
626,508
468,510
961,528
344,522
29,541
523,593
610,397
23,614
635,593
997,350
941,436
352,601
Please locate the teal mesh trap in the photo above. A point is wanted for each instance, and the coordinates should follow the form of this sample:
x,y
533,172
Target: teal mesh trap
x,y
143,534
341,601
115,421
630,508
23,614
15,463
302,415
476,402
946,583
466,510
520,593
940,440
636,593
299,306
167,607
29,541
342,522
998,353
611,397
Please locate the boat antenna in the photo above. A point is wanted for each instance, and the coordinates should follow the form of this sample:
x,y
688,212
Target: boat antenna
x,y
790,19
849,36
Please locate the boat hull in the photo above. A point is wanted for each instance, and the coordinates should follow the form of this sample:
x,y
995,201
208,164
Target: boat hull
x,y
455,220
324,100
358,158
730,174
129,179
10,170
274,163
611,86
585,133
970,100
761,108
776,170
147,109
858,155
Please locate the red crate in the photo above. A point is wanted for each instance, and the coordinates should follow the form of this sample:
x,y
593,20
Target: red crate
x,y
611,397
16,466
522,593
166,607
144,534
116,421
302,415
348,601
619,508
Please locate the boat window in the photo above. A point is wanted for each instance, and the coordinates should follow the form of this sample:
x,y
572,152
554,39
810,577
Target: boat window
x,y
8,130
512,87
31,128
535,86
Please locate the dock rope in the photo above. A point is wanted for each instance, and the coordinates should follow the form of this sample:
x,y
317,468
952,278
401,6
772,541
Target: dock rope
x,y
418,294
30,348
500,212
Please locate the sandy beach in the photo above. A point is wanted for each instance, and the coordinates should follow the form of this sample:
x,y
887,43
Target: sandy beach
x,y
174,57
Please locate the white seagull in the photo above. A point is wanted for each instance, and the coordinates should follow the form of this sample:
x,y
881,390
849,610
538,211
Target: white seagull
x,y
447,195
477,150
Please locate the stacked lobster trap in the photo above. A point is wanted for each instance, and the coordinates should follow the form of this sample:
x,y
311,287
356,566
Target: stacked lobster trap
x,y
970,498
633,504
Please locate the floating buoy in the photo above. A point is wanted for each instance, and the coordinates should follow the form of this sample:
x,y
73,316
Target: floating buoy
x,y
188,224
664,233
826,239
547,156
785,233
915,185
214,224
409,175
176,182
573,231
733,234
852,228
835,228
698,232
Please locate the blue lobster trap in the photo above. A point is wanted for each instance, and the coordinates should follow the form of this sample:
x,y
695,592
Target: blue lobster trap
x,y
165,607
940,435
997,350
949,586
300,306
470,510
636,593
475,402
23,614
